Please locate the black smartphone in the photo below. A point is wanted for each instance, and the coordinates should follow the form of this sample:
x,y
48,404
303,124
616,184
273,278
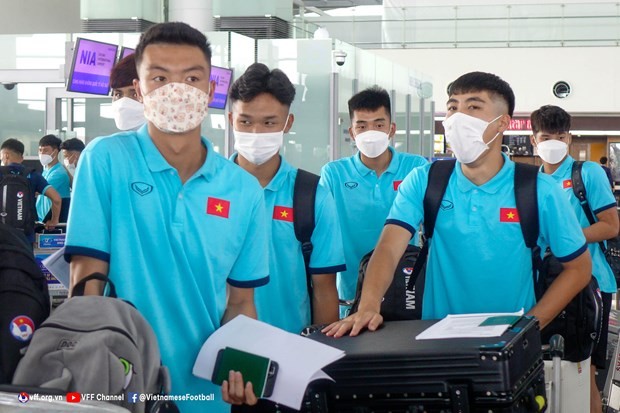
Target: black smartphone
x,y
259,370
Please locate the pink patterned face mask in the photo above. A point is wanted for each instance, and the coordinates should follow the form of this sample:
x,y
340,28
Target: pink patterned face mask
x,y
176,107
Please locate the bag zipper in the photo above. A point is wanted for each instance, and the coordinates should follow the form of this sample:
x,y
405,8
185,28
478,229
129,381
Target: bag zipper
x,y
111,328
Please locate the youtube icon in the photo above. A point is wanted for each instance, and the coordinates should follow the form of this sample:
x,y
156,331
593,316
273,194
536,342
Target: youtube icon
x,y
74,397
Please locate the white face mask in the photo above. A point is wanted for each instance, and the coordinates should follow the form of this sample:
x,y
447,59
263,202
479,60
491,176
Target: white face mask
x,y
45,159
258,148
464,134
70,166
552,151
128,114
176,107
372,143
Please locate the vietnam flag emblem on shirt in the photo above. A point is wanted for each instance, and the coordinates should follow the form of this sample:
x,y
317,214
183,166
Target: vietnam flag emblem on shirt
x,y
567,183
282,213
508,215
218,207
396,184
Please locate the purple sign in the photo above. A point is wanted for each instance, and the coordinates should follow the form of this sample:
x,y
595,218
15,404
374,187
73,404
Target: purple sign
x,y
126,51
222,78
90,70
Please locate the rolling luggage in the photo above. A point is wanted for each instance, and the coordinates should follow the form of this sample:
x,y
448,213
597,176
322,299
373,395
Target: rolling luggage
x,y
390,371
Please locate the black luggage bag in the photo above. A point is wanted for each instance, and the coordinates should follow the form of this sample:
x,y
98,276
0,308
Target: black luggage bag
x,y
390,371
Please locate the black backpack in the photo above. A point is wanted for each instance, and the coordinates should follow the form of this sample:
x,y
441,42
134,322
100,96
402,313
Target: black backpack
x,y
24,299
16,206
304,197
581,321
403,298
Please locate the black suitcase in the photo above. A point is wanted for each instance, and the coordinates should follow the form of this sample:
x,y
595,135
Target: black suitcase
x,y
389,371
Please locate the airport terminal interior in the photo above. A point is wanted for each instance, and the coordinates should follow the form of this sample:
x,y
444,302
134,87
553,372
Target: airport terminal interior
x,y
56,61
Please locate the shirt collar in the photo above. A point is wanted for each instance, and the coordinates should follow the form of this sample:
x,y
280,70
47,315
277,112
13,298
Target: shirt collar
x,y
493,185
157,163
279,178
364,170
564,168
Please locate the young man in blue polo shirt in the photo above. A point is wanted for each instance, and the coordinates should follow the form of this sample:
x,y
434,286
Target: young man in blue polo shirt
x,y
179,229
552,138
365,184
12,155
56,175
478,261
261,103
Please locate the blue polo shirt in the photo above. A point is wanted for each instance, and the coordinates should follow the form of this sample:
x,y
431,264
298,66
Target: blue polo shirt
x,y
172,247
284,302
363,201
478,261
600,198
57,177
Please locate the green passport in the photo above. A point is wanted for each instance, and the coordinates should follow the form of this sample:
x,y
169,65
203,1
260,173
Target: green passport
x,y
254,368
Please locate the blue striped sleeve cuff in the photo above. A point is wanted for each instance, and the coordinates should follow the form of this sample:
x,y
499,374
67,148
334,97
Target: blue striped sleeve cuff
x,y
248,284
601,209
70,251
401,224
328,270
574,255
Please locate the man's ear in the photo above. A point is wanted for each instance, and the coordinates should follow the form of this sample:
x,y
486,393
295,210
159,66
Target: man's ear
x,y
533,141
392,130
569,139
351,133
139,95
504,123
289,122
230,118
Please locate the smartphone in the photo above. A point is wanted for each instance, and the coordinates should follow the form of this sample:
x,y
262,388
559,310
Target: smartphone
x,y
259,370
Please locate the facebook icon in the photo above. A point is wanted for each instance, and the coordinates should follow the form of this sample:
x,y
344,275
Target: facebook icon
x,y
133,397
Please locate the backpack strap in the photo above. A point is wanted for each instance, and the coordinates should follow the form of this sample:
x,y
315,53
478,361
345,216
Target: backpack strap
x,y
304,197
78,288
526,197
438,177
579,189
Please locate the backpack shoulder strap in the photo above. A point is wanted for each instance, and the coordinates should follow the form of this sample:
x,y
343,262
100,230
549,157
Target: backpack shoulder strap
x,y
526,197
579,189
304,198
438,177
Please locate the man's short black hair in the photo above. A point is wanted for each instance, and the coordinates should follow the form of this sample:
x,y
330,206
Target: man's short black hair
x,y
603,160
550,119
50,140
173,33
73,144
13,145
124,72
259,79
488,82
373,98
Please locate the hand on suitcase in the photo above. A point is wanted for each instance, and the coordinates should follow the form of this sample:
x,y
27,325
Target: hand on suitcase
x,y
235,392
355,323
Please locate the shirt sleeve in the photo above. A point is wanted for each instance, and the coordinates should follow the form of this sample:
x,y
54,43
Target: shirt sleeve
x,y
559,226
408,208
251,269
39,184
89,223
328,253
598,192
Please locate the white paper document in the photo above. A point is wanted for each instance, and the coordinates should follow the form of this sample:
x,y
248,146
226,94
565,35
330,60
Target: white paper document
x,y
470,325
59,268
300,359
